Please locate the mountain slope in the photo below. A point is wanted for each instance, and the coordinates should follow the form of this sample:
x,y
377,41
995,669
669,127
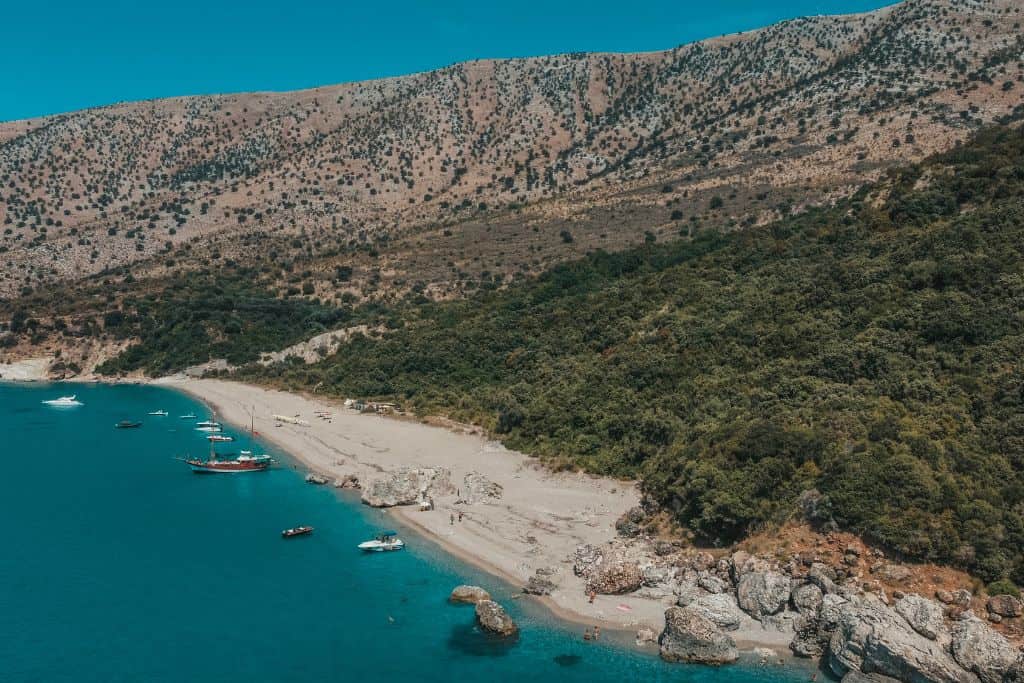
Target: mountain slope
x,y
750,124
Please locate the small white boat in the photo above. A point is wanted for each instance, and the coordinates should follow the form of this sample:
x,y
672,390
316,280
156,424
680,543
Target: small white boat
x,y
159,413
209,426
388,540
220,438
190,416
63,402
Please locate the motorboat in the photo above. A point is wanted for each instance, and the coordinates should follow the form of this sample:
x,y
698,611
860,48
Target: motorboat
x,y
387,540
159,413
127,424
220,438
64,402
297,531
190,416
209,426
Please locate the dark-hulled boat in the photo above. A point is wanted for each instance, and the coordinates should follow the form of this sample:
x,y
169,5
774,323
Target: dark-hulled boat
x,y
245,462
297,531
127,424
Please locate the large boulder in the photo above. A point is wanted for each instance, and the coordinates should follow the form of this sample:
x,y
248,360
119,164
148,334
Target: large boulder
x,y
806,598
468,595
718,608
924,616
407,486
858,677
690,637
615,578
983,652
871,638
762,593
1005,606
712,583
813,631
493,618
476,488
586,559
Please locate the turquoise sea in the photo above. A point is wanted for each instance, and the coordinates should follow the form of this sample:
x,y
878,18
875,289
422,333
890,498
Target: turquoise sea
x,y
119,564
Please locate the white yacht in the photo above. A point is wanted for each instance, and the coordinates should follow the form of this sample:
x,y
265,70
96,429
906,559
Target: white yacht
x,y
159,413
209,426
64,402
387,540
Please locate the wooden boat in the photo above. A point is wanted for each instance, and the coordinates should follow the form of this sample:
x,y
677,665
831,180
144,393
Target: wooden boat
x,y
245,462
297,531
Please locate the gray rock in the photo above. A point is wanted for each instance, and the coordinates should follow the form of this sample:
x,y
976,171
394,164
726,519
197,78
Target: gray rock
x,y
493,618
476,488
1004,605
822,576
628,524
690,637
858,677
870,637
762,593
349,481
539,585
407,486
586,559
314,478
982,651
712,584
645,635
658,575
468,595
923,615
806,598
718,608
615,578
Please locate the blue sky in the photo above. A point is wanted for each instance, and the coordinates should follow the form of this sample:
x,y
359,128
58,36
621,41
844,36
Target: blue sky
x,y
61,55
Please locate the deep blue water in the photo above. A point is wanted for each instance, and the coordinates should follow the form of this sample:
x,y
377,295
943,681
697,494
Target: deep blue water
x,y
118,564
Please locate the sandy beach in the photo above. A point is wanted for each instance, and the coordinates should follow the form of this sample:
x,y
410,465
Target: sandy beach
x,y
537,523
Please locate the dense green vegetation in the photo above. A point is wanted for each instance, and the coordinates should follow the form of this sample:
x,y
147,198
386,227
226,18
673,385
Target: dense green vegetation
x,y
212,314
871,352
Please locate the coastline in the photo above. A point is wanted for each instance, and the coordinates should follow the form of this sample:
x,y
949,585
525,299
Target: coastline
x,y
537,523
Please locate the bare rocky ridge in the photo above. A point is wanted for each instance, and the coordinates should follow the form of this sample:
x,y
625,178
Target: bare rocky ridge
x,y
481,169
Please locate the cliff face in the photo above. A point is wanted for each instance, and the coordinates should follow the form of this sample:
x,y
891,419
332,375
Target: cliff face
x,y
796,112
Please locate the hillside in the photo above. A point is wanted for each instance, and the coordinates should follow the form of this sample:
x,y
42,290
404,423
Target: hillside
x,y
489,170
863,362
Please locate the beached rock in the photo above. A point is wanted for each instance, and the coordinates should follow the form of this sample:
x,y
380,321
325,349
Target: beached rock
x,y
349,481
493,618
806,598
690,637
712,584
628,524
764,655
985,653
923,615
718,608
476,488
762,593
586,559
616,578
318,479
1004,605
407,486
539,585
468,595
871,637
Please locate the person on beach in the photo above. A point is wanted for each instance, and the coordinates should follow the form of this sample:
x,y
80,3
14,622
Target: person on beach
x,y
592,594
451,518
597,632
460,516
586,634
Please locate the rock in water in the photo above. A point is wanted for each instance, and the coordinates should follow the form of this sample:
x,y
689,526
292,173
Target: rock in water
x,y
616,578
313,478
406,486
645,635
923,615
871,637
468,595
762,593
982,651
493,618
689,637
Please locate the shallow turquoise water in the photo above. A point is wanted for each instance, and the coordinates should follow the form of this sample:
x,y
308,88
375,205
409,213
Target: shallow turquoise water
x,y
121,565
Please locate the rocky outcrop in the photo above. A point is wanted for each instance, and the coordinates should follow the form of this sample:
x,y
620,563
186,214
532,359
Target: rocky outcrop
x,y
762,593
407,486
985,653
314,478
712,583
645,635
539,585
628,525
718,608
858,677
806,598
476,488
349,481
616,578
923,615
1005,606
468,595
586,559
493,618
869,637
690,637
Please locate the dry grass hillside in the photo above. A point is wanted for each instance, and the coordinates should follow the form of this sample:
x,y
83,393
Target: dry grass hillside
x,y
489,169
